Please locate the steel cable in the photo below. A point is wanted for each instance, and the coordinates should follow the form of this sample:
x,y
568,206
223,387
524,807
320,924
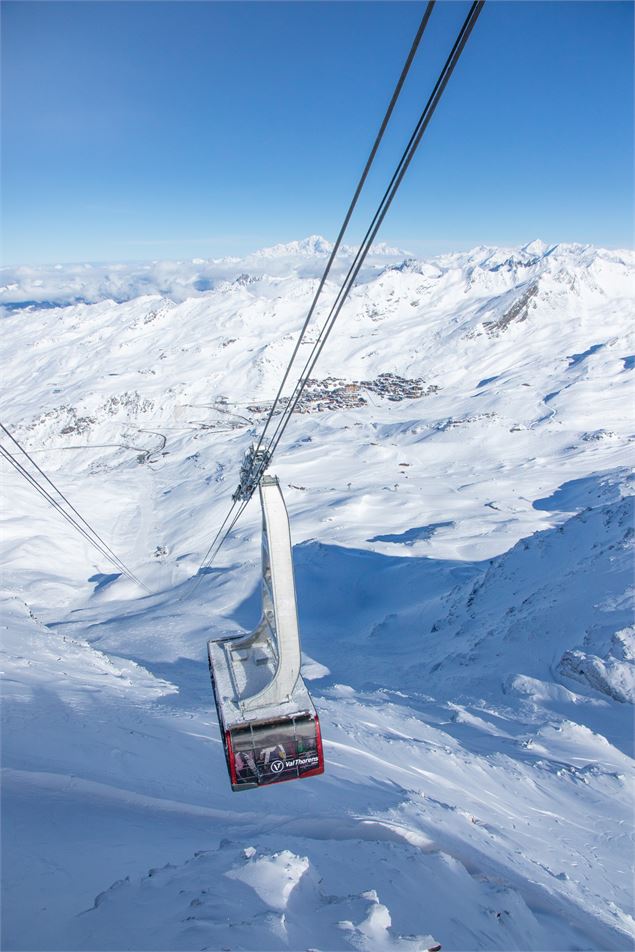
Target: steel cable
x,y
214,548
378,218
62,496
120,566
207,561
351,207
91,538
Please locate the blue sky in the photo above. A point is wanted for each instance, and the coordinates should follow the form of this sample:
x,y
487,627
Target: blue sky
x,y
140,130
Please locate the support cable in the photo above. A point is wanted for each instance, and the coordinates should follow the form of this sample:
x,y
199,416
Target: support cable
x,y
378,219
215,547
208,559
85,530
351,207
61,494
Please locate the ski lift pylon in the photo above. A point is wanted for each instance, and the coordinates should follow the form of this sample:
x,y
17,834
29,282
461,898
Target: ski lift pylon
x,y
269,724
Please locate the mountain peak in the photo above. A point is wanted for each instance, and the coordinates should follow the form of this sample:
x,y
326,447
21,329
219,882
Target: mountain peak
x,y
313,245
535,247
318,246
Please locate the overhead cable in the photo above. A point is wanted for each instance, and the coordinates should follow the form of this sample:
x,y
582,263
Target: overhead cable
x,y
378,218
215,545
79,523
355,267
60,493
351,207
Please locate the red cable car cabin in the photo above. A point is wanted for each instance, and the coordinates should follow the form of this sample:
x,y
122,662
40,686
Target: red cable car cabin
x,y
262,752
268,722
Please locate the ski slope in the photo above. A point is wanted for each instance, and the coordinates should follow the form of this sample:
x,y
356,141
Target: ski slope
x,y
459,489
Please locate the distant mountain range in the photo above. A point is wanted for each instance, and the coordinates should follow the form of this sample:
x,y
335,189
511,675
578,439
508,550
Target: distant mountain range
x,y
59,285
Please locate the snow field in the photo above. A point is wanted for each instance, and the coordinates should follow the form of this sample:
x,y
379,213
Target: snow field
x,y
464,572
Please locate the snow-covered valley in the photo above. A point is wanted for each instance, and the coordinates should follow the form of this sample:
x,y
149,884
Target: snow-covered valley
x,y
458,483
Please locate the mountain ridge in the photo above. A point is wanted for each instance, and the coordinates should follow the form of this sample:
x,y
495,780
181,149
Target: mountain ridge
x,y
61,285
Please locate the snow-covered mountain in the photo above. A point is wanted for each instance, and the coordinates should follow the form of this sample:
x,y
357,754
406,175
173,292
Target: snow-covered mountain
x,y
57,285
307,247
458,485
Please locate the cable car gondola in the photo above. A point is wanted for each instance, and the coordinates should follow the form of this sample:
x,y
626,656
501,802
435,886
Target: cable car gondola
x,y
269,725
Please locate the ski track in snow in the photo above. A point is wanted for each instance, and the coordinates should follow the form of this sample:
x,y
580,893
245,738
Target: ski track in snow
x,y
464,573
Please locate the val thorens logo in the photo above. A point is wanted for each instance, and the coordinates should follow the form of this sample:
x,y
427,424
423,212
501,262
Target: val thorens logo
x,y
276,766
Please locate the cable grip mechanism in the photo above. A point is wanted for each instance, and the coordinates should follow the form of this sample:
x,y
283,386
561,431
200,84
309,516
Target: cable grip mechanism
x,y
252,468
